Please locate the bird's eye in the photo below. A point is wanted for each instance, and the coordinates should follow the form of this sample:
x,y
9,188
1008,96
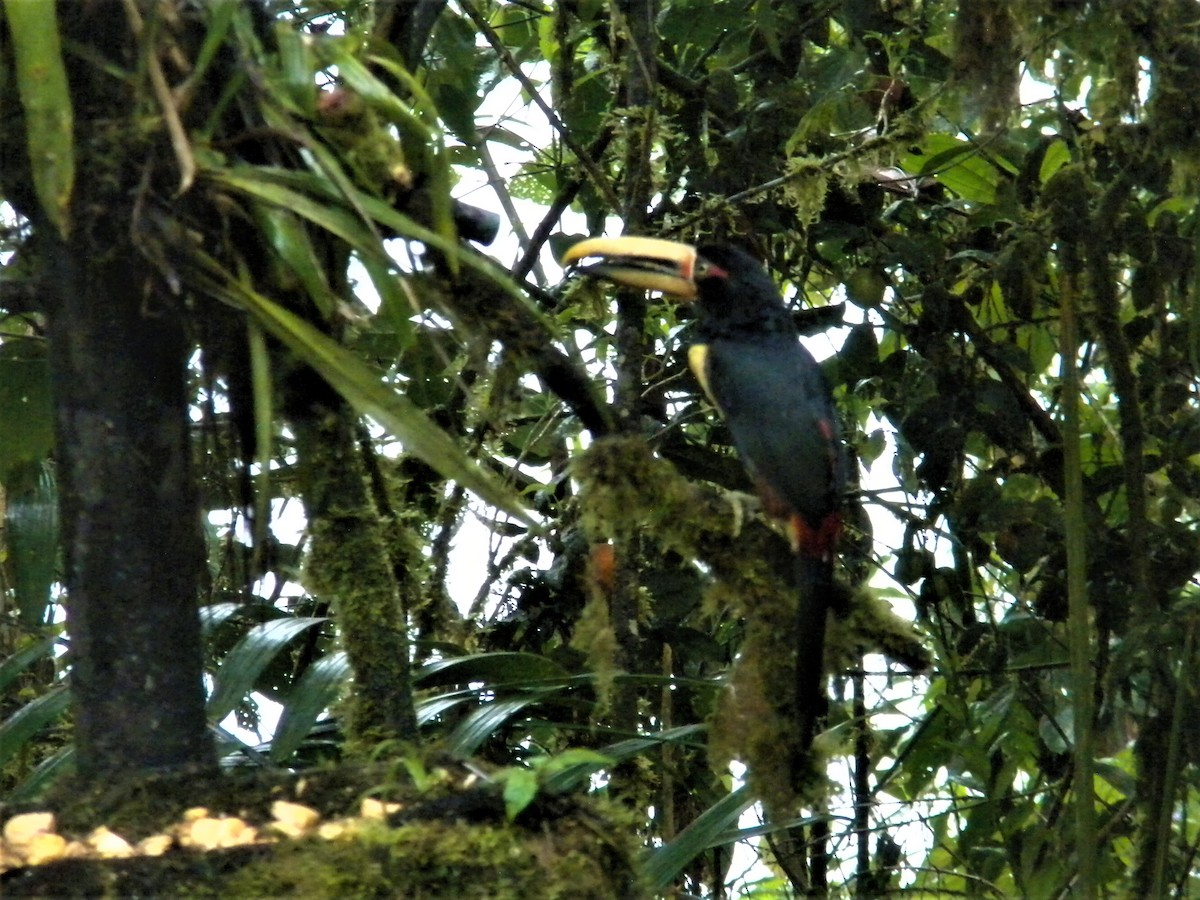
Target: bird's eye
x,y
704,269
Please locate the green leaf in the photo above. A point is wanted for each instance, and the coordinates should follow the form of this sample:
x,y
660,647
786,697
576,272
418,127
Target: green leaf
x,y
570,769
311,696
17,730
298,67
291,243
286,189
16,663
490,668
363,388
669,861
48,772
31,521
1058,154
484,722
214,614
245,662
26,406
293,191
49,119
960,166
520,787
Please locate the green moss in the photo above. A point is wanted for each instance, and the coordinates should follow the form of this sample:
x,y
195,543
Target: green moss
x,y
428,860
625,490
348,564
564,847
595,638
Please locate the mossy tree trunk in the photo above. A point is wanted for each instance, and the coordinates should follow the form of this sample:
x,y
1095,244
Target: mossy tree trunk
x,y
118,351
349,565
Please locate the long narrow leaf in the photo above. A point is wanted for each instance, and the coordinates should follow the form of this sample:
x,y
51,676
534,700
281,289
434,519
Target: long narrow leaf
x,y
212,615
18,662
46,96
311,696
32,524
292,245
569,777
266,185
524,668
245,662
294,190
21,726
43,777
669,861
484,722
363,388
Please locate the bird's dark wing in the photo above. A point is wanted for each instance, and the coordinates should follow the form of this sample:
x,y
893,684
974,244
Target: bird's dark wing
x,y
774,398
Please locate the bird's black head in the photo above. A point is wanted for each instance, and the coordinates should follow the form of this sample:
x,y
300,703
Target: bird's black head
x,y
731,289
734,291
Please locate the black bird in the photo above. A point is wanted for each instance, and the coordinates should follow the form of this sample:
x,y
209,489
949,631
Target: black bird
x,y
776,401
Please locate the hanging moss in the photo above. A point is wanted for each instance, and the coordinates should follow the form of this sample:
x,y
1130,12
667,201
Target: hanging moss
x,y
626,490
595,638
987,57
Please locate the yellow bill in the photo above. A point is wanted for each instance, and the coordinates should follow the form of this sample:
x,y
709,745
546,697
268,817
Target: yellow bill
x,y
652,264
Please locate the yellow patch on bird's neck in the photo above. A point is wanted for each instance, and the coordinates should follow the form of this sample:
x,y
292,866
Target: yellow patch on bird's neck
x,y
698,363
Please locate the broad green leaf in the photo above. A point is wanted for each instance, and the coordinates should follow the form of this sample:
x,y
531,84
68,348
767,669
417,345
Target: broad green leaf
x,y
1058,154
520,787
31,522
961,166
26,406
310,696
245,662
491,668
49,120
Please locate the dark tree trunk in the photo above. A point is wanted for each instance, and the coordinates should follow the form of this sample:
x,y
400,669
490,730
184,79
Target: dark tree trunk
x,y
130,517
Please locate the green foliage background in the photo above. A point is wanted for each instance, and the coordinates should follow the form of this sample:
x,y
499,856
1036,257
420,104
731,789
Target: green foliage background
x,y
1012,287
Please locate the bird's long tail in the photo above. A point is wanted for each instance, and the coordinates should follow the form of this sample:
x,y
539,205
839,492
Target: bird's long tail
x,y
813,583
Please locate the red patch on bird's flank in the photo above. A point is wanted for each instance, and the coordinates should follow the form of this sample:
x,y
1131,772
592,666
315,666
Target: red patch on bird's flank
x,y
819,542
602,567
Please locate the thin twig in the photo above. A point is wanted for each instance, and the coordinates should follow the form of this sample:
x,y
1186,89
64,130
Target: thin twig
x,y
599,179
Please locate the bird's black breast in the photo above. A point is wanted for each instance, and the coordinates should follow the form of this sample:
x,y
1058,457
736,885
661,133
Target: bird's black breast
x,y
776,402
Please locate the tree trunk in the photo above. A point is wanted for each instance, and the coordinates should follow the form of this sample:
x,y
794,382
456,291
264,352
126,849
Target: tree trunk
x,y
130,518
